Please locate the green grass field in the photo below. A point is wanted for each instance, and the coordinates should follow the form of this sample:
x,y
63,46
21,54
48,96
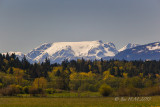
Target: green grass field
x,y
76,102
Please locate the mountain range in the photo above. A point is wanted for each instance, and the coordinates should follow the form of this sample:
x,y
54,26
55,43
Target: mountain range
x,y
90,50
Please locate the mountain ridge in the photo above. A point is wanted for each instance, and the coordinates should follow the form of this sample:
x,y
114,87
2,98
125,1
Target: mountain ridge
x,y
150,51
128,46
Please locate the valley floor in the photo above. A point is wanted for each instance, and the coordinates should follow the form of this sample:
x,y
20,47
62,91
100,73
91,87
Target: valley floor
x,y
78,102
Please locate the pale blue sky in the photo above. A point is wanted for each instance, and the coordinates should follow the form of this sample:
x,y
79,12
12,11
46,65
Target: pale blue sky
x,y
26,24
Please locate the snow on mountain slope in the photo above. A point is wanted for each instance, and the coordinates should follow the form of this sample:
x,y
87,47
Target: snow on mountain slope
x,y
128,46
149,51
38,51
155,46
59,51
20,55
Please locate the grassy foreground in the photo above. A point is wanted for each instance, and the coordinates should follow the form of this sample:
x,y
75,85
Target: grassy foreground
x,y
76,102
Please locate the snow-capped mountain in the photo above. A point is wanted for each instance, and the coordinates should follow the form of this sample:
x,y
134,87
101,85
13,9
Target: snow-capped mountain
x,y
149,51
59,51
128,46
20,55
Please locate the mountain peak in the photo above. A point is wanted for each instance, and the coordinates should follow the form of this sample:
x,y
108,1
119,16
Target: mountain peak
x,y
100,41
128,46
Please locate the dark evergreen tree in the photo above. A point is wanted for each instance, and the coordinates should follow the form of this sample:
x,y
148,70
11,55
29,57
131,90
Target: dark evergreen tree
x,y
11,70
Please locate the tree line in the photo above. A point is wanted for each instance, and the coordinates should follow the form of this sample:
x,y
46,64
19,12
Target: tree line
x,y
124,78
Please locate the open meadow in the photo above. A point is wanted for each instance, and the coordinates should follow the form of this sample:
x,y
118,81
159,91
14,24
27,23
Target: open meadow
x,y
78,102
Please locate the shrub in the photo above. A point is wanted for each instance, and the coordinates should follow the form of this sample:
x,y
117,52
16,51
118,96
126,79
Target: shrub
x,y
35,91
92,88
123,92
134,92
10,90
50,91
151,91
26,90
129,91
20,88
1,85
105,90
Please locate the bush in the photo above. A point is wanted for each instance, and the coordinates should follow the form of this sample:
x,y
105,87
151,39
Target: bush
x,y
26,90
11,90
105,90
130,91
152,91
123,92
50,91
1,85
35,91
20,88
87,87
134,92
92,88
